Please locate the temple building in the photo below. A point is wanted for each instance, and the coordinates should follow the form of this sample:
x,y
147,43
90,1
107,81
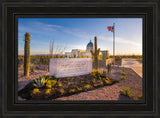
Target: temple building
x,y
85,53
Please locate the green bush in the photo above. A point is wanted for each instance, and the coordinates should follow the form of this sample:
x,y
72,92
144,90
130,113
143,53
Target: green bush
x,y
61,91
123,73
79,89
72,90
31,65
123,69
87,86
51,83
53,77
94,80
123,78
126,91
104,74
60,84
107,78
96,74
140,96
48,91
116,80
36,90
107,82
131,74
40,82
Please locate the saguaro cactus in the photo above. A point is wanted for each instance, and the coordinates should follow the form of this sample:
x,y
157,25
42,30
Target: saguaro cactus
x,y
95,54
27,54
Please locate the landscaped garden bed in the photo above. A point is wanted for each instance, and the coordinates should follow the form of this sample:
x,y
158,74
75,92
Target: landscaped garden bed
x,y
48,88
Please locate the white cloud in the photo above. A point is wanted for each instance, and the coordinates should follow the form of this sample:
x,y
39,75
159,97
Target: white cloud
x,y
120,40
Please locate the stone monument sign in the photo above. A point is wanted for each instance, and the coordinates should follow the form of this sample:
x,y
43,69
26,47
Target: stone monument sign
x,y
70,67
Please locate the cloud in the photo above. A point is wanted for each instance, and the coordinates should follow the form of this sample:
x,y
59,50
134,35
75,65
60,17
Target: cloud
x,y
120,40
37,27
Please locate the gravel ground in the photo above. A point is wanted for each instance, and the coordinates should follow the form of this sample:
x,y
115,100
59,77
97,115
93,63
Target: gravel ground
x,y
23,80
112,92
133,81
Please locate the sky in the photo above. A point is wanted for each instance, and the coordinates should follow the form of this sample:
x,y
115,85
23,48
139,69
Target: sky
x,y
76,33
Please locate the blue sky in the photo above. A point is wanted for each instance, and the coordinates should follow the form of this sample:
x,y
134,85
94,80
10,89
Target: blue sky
x,y
75,33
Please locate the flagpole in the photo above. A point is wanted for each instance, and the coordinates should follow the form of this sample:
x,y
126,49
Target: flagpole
x,y
114,44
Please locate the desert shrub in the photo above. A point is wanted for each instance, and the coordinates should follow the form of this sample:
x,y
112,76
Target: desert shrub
x,y
87,86
47,78
61,91
123,73
101,83
65,82
123,69
107,82
131,73
51,83
48,85
94,80
53,77
36,90
116,80
72,90
126,91
68,78
40,82
96,74
31,65
104,74
95,85
32,70
69,83
79,89
140,96
107,78
48,91
82,81
60,84
123,78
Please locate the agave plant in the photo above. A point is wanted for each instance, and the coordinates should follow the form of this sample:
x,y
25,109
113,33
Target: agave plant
x,y
40,82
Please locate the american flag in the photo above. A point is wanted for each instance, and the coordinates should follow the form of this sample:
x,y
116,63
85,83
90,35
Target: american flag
x,y
110,28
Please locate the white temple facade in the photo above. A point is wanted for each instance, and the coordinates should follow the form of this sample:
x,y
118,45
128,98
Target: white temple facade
x,y
78,53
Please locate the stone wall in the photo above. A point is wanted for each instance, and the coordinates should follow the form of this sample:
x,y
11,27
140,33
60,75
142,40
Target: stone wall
x,y
103,63
70,67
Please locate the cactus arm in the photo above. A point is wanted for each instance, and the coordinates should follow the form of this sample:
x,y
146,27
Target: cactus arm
x,y
92,53
98,51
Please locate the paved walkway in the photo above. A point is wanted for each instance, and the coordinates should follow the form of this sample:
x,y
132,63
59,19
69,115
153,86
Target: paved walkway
x,y
135,64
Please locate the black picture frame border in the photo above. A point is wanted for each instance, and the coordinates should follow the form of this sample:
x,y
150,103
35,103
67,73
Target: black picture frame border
x,y
154,112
